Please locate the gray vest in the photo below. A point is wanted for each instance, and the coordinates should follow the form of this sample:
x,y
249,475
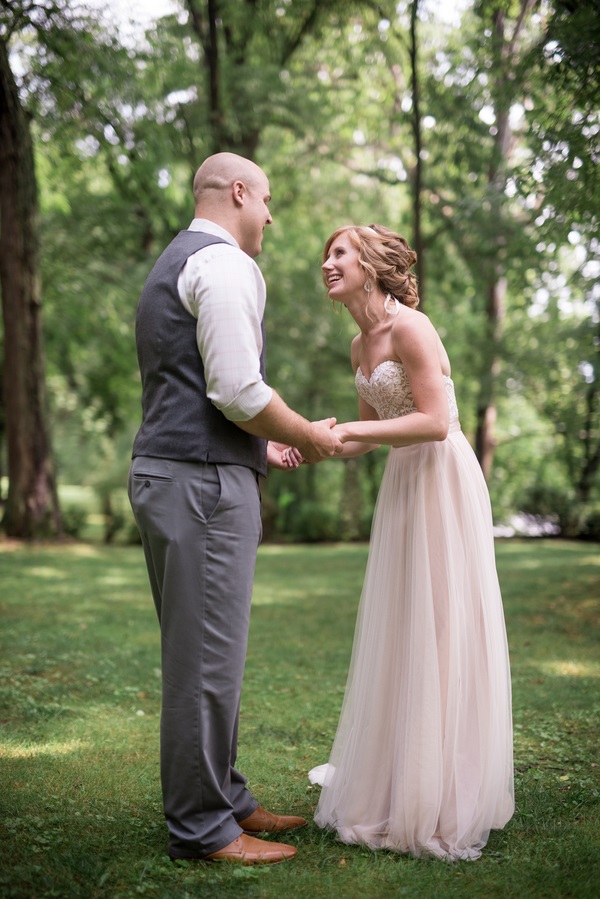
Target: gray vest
x,y
178,420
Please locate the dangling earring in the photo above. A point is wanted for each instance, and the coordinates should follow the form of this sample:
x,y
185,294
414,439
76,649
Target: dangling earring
x,y
368,286
391,305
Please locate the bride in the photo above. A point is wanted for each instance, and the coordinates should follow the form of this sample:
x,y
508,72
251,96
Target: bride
x,y
422,758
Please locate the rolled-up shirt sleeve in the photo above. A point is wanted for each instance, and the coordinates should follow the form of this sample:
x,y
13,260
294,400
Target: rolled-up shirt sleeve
x,y
224,289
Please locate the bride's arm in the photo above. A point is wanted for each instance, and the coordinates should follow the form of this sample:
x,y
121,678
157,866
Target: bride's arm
x,y
352,448
415,342
291,457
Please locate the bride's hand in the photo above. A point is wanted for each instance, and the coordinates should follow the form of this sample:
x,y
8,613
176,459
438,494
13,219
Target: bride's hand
x,y
341,432
292,457
286,458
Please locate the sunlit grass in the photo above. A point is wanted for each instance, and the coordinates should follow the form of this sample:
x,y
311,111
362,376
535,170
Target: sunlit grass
x,y
27,751
79,716
570,668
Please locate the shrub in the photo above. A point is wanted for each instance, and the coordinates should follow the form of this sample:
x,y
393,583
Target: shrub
x,y
590,529
555,504
311,522
74,520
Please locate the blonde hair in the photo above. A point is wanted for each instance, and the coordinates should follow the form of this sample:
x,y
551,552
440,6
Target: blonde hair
x,y
385,258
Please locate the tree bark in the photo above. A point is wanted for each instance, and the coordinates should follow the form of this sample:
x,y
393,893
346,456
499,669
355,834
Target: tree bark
x,y
485,436
591,446
418,242
505,66
495,287
32,507
205,24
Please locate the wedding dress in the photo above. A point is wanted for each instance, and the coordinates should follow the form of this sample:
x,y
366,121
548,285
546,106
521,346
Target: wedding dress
x,y
422,759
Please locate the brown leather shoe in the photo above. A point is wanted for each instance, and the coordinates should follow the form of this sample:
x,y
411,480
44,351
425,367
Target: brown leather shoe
x,y
250,851
262,821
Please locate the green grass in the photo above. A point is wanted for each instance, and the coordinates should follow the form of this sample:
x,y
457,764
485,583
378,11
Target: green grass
x,y
79,712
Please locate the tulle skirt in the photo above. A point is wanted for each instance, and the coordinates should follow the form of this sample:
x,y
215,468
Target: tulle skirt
x,y
422,761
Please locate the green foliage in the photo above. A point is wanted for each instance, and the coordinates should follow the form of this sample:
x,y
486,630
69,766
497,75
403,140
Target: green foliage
x,y
80,704
560,378
74,520
321,95
591,525
553,505
565,122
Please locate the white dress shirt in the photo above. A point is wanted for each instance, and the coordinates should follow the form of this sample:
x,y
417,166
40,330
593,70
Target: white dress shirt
x,y
223,288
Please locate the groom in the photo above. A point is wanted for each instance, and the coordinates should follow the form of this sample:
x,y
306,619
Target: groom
x,y
208,415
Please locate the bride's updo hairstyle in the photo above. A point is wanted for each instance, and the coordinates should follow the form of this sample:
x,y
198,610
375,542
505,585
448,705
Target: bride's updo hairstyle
x,y
386,259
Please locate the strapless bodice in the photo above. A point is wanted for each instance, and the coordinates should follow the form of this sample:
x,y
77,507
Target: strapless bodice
x,y
388,391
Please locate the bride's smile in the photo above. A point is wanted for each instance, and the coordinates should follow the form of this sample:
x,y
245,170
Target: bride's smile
x,y
342,272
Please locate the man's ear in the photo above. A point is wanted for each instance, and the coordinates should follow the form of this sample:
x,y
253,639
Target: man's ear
x,y
238,192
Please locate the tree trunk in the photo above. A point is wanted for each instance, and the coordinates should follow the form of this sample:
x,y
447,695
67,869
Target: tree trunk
x,y
418,243
205,23
495,287
485,436
505,71
591,446
32,508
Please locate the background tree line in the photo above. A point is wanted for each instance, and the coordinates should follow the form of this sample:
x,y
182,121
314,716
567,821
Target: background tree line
x,y
478,141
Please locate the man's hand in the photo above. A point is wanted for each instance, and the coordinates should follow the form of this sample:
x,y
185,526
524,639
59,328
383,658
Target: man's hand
x,y
341,432
322,442
277,422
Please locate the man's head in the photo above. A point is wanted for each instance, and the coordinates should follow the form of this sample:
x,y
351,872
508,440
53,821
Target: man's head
x,y
234,192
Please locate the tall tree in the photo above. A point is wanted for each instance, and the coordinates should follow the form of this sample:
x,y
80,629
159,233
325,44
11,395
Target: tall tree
x,y
417,128
506,53
32,507
560,180
564,87
61,37
245,46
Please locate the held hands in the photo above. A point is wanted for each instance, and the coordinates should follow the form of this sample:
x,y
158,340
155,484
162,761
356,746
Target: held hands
x,y
322,441
340,432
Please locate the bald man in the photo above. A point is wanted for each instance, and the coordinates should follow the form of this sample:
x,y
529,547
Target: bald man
x,y
210,423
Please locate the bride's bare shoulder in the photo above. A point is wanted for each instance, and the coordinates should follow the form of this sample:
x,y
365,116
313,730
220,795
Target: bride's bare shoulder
x,y
354,351
412,324
418,331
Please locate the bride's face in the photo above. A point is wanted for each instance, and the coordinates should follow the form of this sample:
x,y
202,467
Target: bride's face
x,y
342,271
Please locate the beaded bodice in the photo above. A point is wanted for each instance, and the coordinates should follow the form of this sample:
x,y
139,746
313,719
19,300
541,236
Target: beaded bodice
x,y
388,391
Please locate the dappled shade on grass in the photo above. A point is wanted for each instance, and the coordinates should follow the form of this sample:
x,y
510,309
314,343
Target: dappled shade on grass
x,y
80,704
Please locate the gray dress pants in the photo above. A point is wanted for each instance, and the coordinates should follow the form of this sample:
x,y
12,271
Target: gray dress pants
x,y
200,526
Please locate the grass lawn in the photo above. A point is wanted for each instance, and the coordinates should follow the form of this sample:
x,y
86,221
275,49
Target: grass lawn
x,y
79,713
